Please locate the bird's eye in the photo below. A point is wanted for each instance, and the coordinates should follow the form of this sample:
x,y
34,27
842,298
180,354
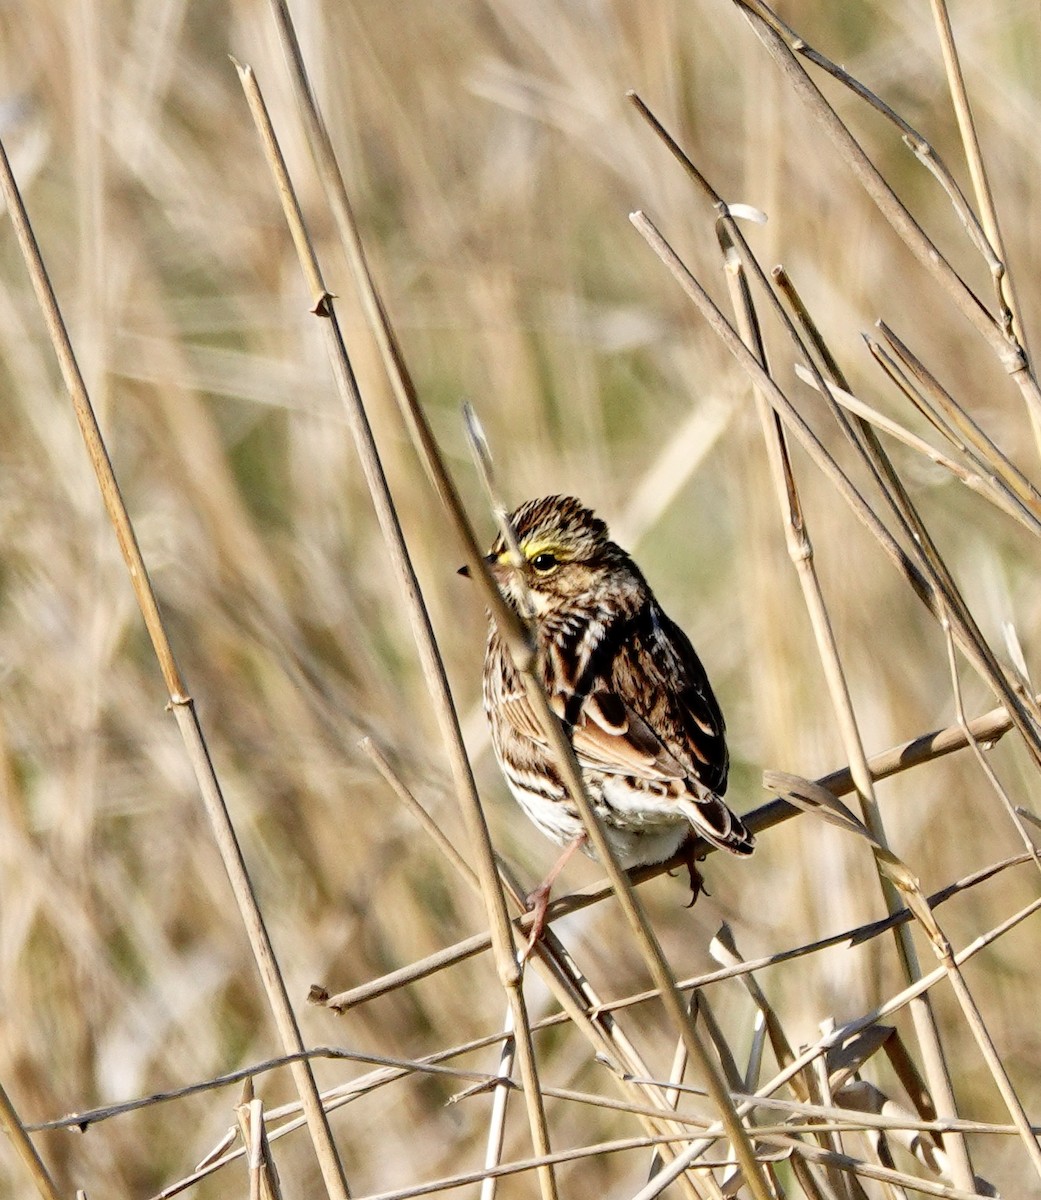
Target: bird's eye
x,y
544,562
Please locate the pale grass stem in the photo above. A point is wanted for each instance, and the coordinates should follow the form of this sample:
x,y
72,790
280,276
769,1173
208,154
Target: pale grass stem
x,y
263,1175
24,1148
517,643
958,426
1009,352
181,703
800,550
1003,278
433,667
984,485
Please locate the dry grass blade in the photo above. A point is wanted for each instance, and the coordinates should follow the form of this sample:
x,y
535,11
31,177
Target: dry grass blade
x,y
982,484
1003,278
921,148
951,418
1003,344
181,702
865,1097
497,1117
263,1174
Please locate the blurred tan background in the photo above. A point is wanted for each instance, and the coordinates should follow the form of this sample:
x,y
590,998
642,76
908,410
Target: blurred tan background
x,y
493,161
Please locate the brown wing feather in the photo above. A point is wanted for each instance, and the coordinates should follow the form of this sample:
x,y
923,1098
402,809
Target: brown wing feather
x,y
630,748
649,711
658,675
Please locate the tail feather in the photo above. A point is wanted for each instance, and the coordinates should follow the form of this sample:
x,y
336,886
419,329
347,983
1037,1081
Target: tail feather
x,y
712,820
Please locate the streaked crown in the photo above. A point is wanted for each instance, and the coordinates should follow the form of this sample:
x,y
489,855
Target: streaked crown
x,y
565,548
557,523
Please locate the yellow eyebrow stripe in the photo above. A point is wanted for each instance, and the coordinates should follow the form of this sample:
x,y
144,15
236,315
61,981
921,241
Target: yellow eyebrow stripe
x,y
531,549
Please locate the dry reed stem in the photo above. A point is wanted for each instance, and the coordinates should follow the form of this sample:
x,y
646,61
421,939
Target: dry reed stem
x,y
912,138
841,1035
180,701
957,424
970,1009
1002,342
26,1151
517,642
1003,279
862,438
263,1175
808,1056
985,485
800,550
433,667
496,1137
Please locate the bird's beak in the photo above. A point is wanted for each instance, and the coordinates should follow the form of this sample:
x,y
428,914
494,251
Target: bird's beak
x,y
490,559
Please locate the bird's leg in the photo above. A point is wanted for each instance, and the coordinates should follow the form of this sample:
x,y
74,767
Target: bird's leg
x,y
538,901
697,882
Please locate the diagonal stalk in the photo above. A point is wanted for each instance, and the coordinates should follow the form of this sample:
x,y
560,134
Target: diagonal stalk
x,y
981,185
11,1124
180,700
800,549
433,667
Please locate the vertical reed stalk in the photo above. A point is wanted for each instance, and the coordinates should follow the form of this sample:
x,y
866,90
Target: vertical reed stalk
x,y
180,701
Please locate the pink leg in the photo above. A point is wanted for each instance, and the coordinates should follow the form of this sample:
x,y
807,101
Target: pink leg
x,y
538,900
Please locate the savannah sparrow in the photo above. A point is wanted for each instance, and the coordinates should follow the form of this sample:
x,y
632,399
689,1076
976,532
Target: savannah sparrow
x,y
632,694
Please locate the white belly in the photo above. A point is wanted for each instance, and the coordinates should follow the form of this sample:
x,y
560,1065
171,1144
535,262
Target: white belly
x,y
654,830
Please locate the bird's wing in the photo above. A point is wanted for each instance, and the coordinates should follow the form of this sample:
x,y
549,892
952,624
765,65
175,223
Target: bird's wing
x,y
610,736
606,735
658,676
639,704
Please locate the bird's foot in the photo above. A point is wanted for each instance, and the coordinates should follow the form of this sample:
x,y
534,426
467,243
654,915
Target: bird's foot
x,y
697,880
537,903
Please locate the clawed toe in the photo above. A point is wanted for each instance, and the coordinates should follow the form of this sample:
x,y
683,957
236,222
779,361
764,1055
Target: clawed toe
x,y
697,881
537,903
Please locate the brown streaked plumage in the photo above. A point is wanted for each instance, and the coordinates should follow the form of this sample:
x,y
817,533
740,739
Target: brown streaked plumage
x,y
626,682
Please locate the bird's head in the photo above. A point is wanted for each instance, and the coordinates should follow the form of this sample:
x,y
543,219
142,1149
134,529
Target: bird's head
x,y
567,557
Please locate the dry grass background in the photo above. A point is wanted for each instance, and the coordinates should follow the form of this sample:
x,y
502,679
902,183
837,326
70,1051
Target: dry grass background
x,y
492,160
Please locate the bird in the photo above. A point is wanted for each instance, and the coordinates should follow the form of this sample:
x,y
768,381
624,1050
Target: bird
x,y
628,686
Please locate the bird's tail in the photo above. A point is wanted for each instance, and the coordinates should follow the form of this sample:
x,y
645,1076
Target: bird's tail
x,y
712,820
